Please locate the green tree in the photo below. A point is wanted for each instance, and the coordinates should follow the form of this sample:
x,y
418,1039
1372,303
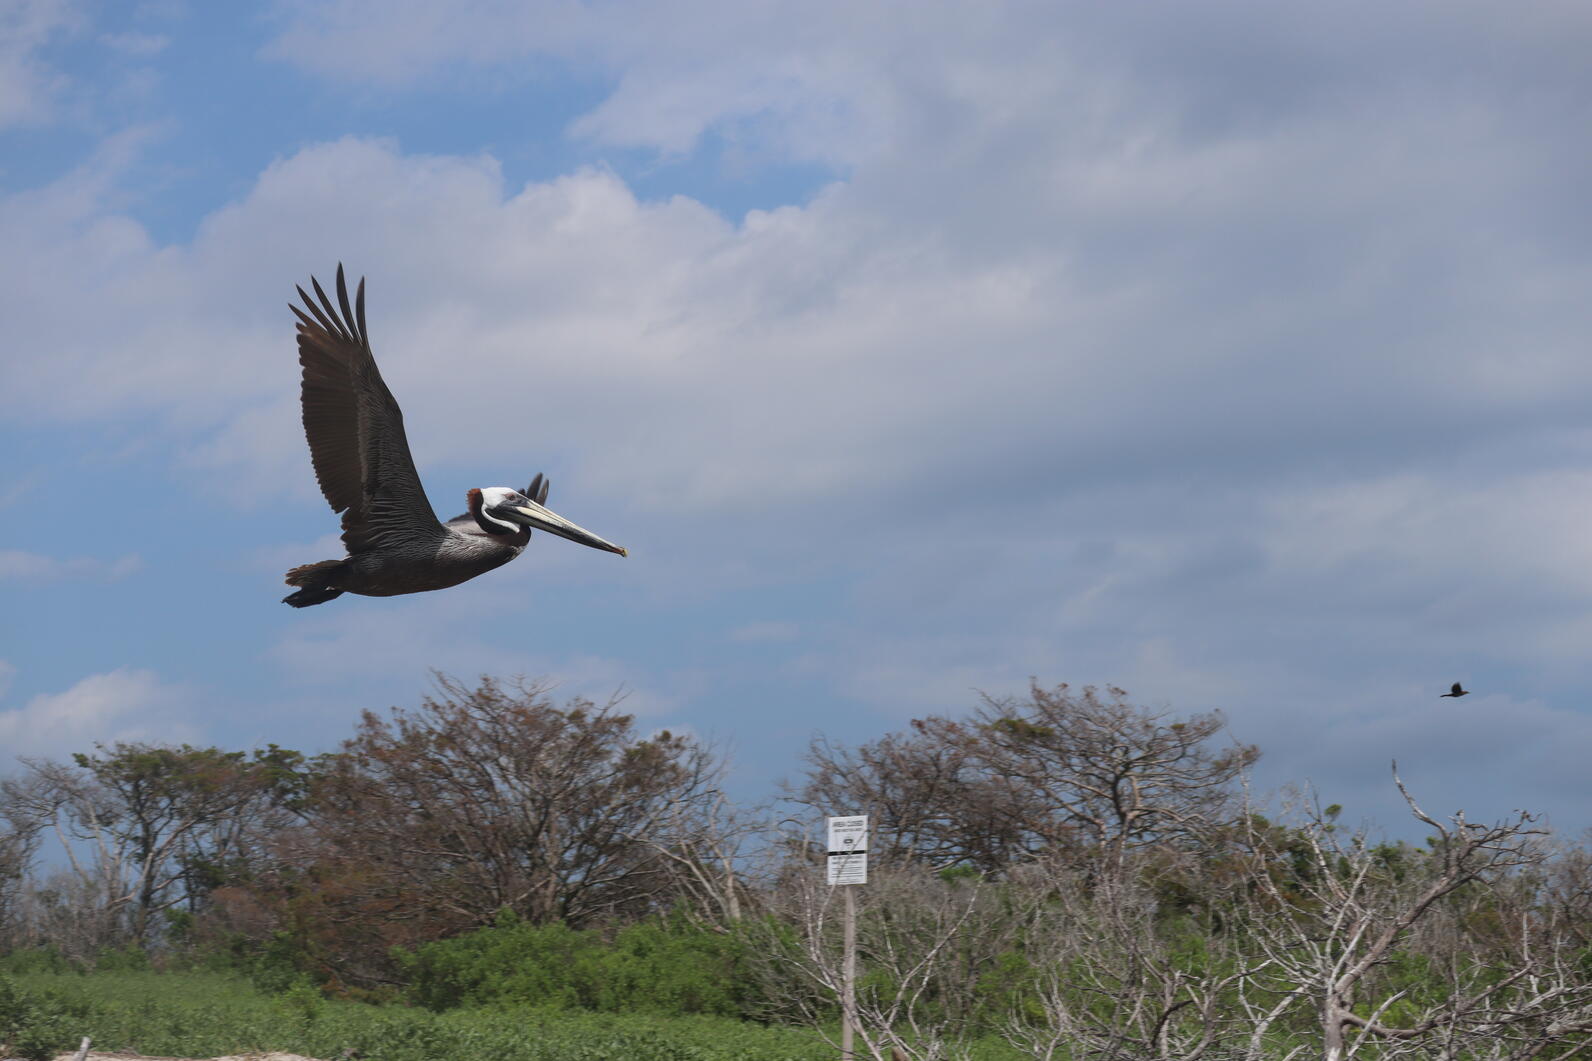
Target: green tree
x,y
1086,773
150,827
489,798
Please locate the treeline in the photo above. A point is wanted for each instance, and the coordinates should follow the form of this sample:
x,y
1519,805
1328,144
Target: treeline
x,y
1074,873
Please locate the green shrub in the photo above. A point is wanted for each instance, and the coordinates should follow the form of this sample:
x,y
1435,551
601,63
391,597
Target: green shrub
x,y
36,960
29,1027
665,967
14,1009
512,960
278,965
209,1015
128,958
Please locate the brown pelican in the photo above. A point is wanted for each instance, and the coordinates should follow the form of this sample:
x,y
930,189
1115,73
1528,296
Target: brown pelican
x,y
1456,692
356,433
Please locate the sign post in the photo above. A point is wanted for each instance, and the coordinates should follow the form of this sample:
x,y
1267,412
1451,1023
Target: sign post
x,y
848,983
848,850
848,864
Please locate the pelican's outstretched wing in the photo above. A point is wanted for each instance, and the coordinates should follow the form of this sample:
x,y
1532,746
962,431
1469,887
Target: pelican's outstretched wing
x,y
355,428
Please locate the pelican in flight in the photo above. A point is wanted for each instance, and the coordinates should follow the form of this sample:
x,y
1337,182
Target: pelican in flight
x,y
394,540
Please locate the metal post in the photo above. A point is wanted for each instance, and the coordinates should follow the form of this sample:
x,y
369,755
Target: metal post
x,y
848,979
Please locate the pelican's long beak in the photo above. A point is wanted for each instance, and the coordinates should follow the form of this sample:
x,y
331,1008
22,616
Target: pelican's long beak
x,y
534,515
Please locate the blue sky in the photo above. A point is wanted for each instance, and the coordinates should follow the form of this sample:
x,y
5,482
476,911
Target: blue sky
x,y
1232,353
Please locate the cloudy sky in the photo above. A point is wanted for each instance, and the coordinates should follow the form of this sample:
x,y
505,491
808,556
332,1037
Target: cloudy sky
x,y
1234,353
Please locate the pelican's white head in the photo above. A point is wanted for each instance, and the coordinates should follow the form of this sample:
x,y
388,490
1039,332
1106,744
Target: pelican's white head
x,y
511,510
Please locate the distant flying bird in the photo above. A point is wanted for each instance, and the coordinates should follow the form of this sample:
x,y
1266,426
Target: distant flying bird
x,y
394,540
1456,692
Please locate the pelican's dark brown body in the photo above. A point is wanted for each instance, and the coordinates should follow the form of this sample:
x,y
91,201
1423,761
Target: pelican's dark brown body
x,y
355,430
421,566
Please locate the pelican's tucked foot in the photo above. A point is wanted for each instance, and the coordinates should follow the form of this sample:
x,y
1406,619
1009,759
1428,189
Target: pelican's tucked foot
x,y
317,581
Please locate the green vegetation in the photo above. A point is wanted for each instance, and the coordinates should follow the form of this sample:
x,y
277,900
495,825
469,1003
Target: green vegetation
x,y
30,1027
667,968
210,1014
493,875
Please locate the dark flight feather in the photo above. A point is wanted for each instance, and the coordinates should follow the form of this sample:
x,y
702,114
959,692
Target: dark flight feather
x,y
355,428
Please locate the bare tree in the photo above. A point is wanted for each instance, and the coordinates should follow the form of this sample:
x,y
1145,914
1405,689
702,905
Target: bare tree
x,y
1335,913
86,821
19,842
491,798
1084,773
929,796
1113,979
1568,891
922,943
1111,774
1509,982
75,915
706,851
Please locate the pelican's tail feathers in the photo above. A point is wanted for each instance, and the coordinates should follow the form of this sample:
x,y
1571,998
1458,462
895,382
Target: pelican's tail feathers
x,y
317,582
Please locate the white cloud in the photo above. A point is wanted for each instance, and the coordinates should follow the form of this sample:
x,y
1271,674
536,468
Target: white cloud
x,y
392,647
771,75
1040,303
843,83
140,44
1124,347
1525,529
121,705
398,42
28,85
688,358
21,564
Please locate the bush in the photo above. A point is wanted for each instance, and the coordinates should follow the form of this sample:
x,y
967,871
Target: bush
x,y
36,960
673,969
663,967
209,1015
278,965
30,1028
128,958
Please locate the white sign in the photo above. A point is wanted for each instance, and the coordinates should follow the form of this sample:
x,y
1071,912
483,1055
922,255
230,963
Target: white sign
x,y
848,850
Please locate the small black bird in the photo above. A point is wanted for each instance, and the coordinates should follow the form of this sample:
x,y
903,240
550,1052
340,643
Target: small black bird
x,y
1456,692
